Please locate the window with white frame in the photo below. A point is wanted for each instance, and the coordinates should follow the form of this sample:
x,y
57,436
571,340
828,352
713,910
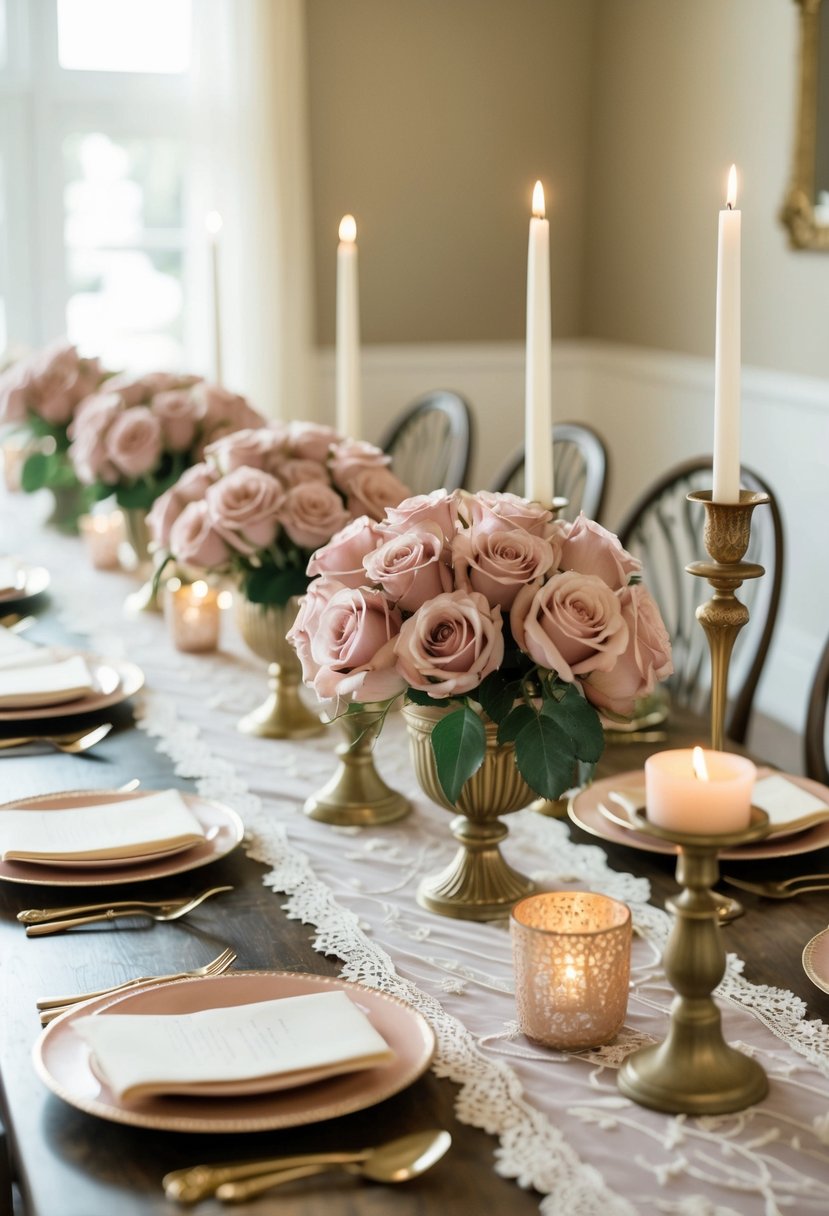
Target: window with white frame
x,y
95,177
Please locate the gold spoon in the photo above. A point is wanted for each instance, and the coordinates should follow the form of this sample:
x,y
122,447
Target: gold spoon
x,y
395,1161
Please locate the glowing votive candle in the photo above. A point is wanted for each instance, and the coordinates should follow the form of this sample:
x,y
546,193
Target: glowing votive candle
x,y
699,792
571,954
102,536
193,615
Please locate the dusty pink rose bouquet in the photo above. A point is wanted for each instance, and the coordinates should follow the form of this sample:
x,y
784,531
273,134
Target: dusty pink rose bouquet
x,y
136,437
483,602
41,394
263,500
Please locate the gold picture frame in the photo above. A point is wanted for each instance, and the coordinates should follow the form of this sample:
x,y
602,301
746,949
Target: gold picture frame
x,y
798,214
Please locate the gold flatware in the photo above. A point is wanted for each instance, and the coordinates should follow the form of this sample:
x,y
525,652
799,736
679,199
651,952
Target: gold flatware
x,y
114,913
16,623
395,1161
73,744
786,888
52,1007
38,916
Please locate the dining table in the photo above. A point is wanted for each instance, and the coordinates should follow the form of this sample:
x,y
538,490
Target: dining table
x,y
532,1128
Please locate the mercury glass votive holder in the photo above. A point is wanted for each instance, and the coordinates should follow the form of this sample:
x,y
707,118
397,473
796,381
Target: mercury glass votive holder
x,y
193,615
103,535
571,955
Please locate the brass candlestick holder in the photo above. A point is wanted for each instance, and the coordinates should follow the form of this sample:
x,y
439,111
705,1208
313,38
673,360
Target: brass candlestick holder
x,y
694,1071
727,533
356,795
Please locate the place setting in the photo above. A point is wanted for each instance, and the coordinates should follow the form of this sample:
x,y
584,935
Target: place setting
x,y
20,581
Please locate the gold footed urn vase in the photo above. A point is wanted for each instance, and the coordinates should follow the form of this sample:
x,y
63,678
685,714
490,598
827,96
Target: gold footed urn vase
x,y
478,884
283,715
136,556
356,795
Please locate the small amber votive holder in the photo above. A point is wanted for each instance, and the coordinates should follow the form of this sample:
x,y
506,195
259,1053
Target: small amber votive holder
x,y
193,615
103,535
571,955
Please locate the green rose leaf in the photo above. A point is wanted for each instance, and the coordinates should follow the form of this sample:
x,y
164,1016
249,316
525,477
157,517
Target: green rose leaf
x,y
138,497
544,755
515,722
422,698
35,472
497,695
269,586
580,721
458,743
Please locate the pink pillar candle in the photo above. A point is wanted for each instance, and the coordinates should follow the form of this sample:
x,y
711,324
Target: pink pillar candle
x,y
102,536
716,801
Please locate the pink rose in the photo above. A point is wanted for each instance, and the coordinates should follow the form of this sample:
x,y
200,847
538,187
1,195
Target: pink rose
x,y
440,508
494,512
572,625
261,448
292,472
13,384
450,644
310,441
410,568
244,508
353,647
88,433
342,557
306,624
190,487
352,456
311,513
179,413
141,390
646,660
133,442
194,540
373,489
499,564
223,413
591,549
51,384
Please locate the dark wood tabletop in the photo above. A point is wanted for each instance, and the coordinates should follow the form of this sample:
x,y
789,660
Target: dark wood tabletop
x,y
67,1163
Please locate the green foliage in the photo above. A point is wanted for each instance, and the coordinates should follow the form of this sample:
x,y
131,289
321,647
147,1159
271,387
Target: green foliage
x,y
266,585
459,743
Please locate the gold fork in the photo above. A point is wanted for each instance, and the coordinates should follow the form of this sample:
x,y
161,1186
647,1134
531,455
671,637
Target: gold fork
x,y
785,888
112,913
52,1007
73,744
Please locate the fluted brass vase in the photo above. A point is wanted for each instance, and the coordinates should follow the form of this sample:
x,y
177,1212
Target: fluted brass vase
x,y
356,795
283,715
478,884
135,555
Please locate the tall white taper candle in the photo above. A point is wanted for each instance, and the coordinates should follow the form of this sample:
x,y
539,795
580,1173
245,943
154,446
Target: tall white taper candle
x,y
213,224
727,353
538,445
349,419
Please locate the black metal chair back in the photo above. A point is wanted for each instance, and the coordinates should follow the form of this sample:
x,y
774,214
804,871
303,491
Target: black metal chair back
x,y
665,531
580,463
431,442
816,740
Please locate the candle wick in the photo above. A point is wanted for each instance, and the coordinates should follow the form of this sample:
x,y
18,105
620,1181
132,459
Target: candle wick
x,y
730,206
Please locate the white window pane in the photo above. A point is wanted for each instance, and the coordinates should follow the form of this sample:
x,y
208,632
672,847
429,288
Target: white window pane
x,y
4,41
124,35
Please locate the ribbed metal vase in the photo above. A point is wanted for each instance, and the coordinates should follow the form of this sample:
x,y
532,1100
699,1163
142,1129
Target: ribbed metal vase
x,y
478,884
283,715
356,795
137,557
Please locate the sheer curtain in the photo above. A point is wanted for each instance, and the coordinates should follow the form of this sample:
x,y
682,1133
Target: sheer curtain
x,y
250,141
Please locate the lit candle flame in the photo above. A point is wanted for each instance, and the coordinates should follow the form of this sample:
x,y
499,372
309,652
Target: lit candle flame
x,y
538,201
199,590
699,765
731,193
213,223
348,229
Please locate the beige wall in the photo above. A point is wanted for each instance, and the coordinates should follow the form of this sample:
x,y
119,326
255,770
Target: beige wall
x,y
430,120
681,89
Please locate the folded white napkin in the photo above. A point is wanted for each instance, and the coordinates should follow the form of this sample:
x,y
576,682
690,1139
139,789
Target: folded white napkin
x,y
134,827
10,574
788,806
250,1048
45,683
16,651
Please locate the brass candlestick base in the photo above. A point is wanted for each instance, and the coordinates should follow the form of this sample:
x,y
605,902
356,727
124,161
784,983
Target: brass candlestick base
x,y
357,796
727,533
694,1071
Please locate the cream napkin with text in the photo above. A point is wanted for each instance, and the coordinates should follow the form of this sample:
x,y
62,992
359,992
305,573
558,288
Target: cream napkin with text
x,y
789,807
20,652
133,827
45,683
252,1048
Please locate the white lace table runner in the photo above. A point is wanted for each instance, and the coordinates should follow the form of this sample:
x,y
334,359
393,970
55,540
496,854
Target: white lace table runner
x,y
561,1124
